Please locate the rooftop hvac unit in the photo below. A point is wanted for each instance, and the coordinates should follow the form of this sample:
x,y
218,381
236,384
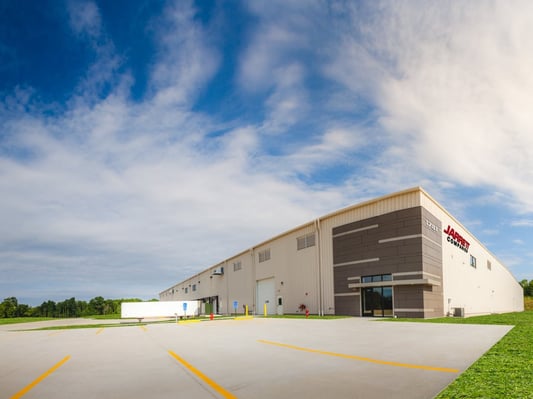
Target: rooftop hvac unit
x,y
458,312
219,271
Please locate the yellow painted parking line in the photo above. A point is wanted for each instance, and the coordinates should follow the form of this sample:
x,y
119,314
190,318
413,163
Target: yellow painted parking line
x,y
143,328
222,391
25,390
363,359
244,318
54,333
99,331
189,321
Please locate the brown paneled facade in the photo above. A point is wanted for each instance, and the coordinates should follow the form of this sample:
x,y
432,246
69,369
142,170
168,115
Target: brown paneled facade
x,y
389,265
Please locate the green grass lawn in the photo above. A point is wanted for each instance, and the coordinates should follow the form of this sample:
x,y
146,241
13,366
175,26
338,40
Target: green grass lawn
x,y
528,302
506,370
15,320
104,317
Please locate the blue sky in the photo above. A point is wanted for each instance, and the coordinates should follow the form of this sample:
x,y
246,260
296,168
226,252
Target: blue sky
x,y
142,141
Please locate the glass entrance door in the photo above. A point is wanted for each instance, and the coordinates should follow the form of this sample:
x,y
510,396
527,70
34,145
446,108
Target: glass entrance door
x,y
377,301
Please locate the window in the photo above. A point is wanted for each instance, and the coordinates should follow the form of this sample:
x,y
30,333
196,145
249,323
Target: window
x,y
377,278
305,241
489,265
264,255
472,261
237,266
194,287
186,290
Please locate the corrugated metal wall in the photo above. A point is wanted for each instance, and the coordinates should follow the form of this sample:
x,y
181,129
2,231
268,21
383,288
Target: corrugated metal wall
x,y
301,276
295,271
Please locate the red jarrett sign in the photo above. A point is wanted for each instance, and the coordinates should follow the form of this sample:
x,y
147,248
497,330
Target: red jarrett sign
x,y
456,239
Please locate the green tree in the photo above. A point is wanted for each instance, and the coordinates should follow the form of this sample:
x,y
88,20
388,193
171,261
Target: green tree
x,y
96,305
82,308
8,308
23,310
67,308
527,286
72,309
48,309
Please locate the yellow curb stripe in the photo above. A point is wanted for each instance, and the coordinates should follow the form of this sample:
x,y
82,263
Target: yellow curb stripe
x,y
363,359
189,321
244,318
25,390
226,394
99,331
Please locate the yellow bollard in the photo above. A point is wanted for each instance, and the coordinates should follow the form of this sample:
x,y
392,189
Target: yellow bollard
x,y
265,309
246,310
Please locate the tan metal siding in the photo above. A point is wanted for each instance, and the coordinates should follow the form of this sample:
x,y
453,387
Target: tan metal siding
x,y
240,282
295,271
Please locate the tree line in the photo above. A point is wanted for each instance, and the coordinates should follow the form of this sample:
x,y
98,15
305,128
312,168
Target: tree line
x,y
10,307
528,287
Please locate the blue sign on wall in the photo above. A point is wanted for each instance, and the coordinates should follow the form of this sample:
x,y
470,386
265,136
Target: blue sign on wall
x,y
235,304
184,306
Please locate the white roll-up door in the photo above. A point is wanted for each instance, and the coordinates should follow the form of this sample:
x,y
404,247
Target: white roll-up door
x,y
266,290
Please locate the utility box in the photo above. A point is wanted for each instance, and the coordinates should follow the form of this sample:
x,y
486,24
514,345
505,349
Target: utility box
x,y
458,312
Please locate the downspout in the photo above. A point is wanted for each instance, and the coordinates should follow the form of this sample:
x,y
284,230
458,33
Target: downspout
x,y
226,276
254,281
319,265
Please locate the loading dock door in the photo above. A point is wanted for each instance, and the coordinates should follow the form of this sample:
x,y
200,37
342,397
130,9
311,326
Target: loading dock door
x,y
266,293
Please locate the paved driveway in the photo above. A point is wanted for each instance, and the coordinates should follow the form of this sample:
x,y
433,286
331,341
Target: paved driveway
x,y
250,358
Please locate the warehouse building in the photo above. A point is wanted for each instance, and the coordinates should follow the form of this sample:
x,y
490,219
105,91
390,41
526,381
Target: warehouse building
x,y
399,255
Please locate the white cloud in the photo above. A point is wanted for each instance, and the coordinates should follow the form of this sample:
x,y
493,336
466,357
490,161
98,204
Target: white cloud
x,y
522,223
287,104
84,18
185,61
102,75
451,83
123,196
334,147
284,32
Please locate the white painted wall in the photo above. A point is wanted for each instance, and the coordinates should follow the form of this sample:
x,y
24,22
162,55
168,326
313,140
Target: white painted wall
x,y
478,290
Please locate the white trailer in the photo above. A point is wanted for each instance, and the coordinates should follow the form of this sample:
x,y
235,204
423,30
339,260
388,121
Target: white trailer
x,y
141,310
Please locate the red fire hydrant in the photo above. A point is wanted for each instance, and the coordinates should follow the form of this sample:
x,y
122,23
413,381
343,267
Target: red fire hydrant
x,y
211,316
306,313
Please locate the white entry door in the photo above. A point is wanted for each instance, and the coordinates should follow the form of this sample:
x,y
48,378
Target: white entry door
x,y
280,305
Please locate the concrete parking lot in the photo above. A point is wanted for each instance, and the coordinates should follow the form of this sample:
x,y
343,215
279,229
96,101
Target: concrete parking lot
x,y
247,358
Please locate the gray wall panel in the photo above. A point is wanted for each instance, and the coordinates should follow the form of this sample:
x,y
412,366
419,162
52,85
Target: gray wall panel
x,y
400,253
348,305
